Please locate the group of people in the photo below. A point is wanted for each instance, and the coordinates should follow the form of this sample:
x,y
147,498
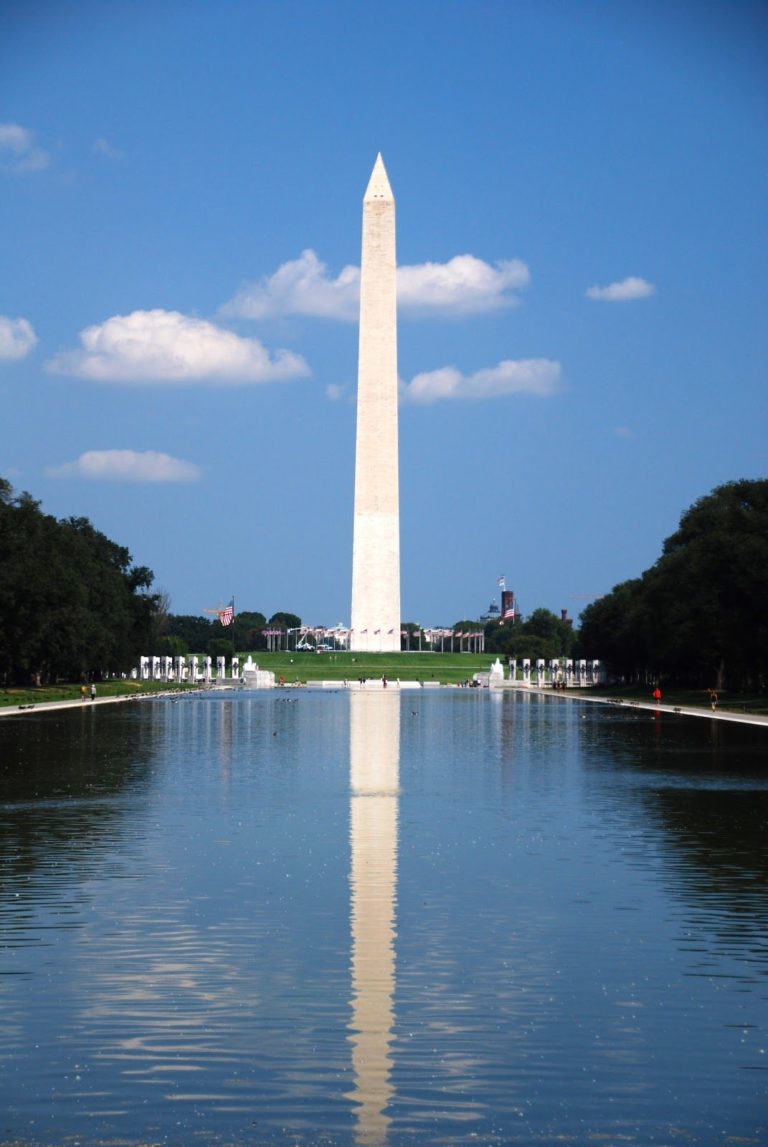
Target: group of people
x,y
85,692
710,693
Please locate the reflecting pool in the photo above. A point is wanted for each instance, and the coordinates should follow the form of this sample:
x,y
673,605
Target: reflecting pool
x,y
368,918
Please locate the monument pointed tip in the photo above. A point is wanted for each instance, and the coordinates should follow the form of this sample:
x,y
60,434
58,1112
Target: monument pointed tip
x,y
378,185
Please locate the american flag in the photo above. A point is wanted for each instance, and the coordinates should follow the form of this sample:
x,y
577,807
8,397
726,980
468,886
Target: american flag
x,y
227,614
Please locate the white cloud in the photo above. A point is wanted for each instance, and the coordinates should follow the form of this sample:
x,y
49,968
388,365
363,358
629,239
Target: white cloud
x,y
18,151
537,376
299,287
102,147
17,338
631,288
464,285
334,392
165,346
127,466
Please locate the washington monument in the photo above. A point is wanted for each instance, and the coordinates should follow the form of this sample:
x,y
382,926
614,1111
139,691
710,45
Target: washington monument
x,y
376,541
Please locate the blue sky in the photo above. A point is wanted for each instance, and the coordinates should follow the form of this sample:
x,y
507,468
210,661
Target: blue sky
x,y
581,211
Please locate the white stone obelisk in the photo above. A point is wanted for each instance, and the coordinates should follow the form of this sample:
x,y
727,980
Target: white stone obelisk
x,y
376,542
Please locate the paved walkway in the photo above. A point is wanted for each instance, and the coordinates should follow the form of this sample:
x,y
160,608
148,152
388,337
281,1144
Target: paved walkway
x,y
677,710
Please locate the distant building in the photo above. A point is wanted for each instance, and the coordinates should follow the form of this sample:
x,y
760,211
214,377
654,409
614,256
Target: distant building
x,y
493,613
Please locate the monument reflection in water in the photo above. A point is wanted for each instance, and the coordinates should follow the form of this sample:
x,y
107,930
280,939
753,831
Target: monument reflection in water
x,y
374,755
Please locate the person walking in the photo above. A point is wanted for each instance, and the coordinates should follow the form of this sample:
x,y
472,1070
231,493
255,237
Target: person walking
x,y
93,690
657,695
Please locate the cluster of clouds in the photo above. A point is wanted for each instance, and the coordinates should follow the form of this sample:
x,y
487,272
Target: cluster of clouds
x,y
465,285
158,346
149,346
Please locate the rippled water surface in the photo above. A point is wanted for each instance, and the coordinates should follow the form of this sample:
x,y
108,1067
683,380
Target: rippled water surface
x,y
441,917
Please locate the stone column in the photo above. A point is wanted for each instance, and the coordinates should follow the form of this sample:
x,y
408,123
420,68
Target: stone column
x,y
376,543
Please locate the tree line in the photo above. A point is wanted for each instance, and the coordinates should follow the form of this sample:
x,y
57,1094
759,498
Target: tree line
x,y
698,616
74,606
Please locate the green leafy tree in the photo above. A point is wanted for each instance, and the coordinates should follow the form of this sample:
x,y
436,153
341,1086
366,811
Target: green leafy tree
x,y
160,622
707,593
194,631
698,616
285,620
615,629
219,647
248,631
171,647
542,635
72,605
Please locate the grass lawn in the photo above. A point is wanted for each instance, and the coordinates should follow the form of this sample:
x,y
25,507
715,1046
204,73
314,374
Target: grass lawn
x,y
445,668
38,695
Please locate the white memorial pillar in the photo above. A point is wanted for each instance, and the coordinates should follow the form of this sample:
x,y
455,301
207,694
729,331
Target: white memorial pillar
x,y
376,542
